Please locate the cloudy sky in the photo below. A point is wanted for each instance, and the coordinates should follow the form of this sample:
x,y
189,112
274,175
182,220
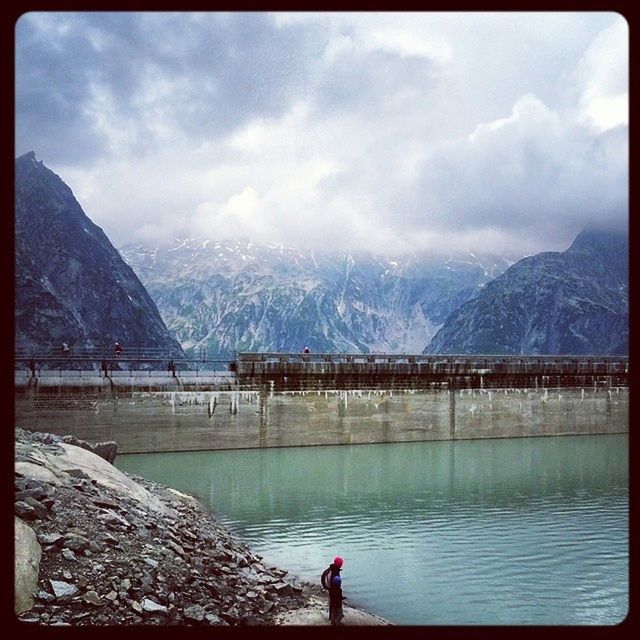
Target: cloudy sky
x,y
382,131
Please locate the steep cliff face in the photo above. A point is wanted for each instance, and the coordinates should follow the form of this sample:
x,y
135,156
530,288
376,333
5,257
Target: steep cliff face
x,y
71,283
576,302
240,295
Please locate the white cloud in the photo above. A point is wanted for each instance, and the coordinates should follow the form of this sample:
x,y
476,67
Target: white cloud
x,y
605,73
536,174
607,112
242,214
386,131
527,116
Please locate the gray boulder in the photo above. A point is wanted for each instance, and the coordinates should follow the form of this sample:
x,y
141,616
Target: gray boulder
x,y
63,589
27,565
107,450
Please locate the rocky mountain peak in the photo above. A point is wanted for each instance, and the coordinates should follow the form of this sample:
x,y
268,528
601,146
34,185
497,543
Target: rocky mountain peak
x,y
575,302
29,157
609,248
71,283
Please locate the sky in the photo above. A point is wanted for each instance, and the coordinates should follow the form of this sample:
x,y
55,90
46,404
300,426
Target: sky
x,y
392,132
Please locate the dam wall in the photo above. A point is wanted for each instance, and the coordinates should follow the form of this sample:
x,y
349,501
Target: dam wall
x,y
175,419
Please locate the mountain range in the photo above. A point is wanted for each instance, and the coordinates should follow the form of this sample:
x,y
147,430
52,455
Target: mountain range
x,y
227,296
219,297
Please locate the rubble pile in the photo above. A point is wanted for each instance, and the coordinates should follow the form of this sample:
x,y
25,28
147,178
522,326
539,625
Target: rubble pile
x,y
110,557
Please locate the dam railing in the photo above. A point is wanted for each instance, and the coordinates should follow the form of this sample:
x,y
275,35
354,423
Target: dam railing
x,y
299,371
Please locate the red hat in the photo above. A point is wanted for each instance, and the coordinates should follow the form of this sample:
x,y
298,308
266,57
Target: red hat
x,y
338,561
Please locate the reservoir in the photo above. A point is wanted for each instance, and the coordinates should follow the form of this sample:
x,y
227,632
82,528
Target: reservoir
x,y
513,531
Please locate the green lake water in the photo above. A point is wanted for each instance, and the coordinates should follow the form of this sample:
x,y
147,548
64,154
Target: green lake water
x,y
527,531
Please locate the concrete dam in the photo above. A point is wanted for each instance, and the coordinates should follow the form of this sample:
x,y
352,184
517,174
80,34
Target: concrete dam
x,y
276,400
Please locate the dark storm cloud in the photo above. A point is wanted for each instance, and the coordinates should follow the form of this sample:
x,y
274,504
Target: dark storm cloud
x,y
221,69
52,87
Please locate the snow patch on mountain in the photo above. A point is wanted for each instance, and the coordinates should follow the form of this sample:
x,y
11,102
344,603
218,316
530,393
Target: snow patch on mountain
x,y
242,295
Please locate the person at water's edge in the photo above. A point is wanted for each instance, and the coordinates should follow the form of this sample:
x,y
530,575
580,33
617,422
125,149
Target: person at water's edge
x,y
332,581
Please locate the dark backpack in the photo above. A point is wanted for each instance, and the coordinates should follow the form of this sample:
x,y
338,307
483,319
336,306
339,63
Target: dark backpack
x,y
327,575
325,578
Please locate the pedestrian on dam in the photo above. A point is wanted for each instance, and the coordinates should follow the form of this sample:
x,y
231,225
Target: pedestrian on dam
x,y
306,350
332,581
118,349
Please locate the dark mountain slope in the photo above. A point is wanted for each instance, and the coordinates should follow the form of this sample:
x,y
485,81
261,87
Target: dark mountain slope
x,y
574,302
71,283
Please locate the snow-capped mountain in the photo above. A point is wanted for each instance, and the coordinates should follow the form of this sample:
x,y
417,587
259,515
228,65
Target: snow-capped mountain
x,y
575,302
71,283
244,296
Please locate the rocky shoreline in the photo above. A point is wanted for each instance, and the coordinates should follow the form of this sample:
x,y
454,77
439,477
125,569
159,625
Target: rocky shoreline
x,y
97,546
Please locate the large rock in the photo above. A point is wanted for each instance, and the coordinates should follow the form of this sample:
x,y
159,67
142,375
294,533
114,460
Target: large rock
x,y
107,450
67,459
27,565
36,472
63,590
150,606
